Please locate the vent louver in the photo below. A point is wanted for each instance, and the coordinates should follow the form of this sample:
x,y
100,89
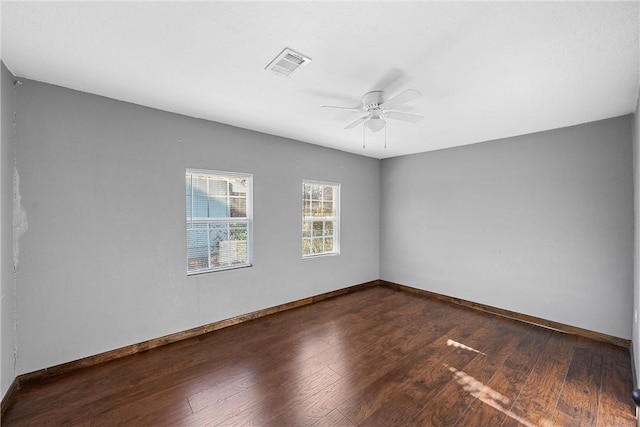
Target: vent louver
x,y
288,62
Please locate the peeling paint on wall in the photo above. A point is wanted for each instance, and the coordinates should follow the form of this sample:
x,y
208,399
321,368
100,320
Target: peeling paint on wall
x,y
20,224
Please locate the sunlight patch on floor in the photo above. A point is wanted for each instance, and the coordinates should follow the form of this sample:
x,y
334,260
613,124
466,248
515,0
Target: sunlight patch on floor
x,y
456,344
486,394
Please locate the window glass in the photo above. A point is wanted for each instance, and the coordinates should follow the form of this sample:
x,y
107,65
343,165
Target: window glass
x,y
219,220
320,218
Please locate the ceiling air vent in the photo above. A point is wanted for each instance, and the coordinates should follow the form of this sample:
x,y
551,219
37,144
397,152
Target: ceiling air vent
x,y
287,62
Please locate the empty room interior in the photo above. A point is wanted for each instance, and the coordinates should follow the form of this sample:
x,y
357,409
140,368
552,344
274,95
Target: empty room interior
x,y
320,213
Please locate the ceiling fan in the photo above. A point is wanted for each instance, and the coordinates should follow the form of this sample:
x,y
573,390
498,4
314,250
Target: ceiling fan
x,y
376,108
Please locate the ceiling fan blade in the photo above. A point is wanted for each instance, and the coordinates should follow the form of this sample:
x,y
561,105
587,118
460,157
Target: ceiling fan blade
x,y
341,108
400,99
333,96
392,81
357,122
405,117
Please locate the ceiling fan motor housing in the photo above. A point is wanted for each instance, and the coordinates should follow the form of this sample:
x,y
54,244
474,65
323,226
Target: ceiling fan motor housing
x,y
372,100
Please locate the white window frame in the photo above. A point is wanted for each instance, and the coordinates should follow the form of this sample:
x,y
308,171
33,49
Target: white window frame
x,y
335,219
221,221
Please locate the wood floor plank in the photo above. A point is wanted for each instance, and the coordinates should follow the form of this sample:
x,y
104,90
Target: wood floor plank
x,y
319,406
616,408
377,357
333,419
386,349
323,403
578,401
453,399
220,391
144,376
537,400
193,375
165,407
257,405
420,377
494,399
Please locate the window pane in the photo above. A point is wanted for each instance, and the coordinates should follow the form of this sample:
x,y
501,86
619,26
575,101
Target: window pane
x,y
327,193
238,187
200,208
218,187
233,250
328,228
306,229
318,246
197,249
316,208
224,255
306,247
316,192
306,208
317,228
218,208
238,207
328,245
217,234
327,209
238,231
199,184
238,252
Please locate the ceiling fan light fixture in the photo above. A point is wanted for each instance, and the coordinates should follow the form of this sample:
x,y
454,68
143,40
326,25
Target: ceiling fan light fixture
x,y
375,124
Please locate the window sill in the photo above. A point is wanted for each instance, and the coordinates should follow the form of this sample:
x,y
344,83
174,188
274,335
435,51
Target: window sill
x,y
315,256
217,270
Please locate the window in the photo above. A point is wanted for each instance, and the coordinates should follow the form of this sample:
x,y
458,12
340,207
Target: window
x,y
219,223
320,218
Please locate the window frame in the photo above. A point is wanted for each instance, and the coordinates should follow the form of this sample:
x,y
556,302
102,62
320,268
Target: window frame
x,y
225,220
335,219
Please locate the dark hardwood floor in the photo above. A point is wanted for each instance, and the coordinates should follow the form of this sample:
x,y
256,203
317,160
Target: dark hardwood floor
x,y
376,357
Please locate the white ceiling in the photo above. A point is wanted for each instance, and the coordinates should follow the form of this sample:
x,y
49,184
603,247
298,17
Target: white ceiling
x,y
486,70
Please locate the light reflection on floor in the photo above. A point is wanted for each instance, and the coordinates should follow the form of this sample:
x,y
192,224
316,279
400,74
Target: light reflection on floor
x,y
486,394
452,343
481,391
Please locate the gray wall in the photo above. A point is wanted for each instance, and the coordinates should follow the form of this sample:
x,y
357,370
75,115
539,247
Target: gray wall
x,y
103,262
7,297
540,224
